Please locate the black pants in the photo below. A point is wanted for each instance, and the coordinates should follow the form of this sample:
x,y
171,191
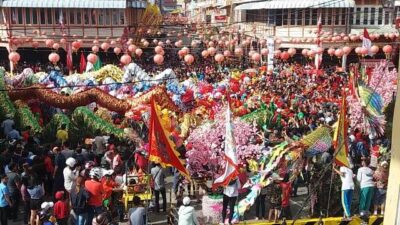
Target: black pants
x,y
260,204
164,197
3,215
27,211
225,202
15,198
286,213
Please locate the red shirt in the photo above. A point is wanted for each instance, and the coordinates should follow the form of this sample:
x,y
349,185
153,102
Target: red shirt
x,y
286,192
61,210
48,165
95,190
108,185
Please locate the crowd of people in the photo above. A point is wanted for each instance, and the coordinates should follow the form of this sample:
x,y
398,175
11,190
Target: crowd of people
x,y
85,180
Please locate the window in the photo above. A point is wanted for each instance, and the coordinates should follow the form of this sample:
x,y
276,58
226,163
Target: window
x,y
343,15
300,17
329,15
285,18
365,16
42,16
78,16
307,16
278,17
271,17
372,17
100,21
387,17
115,17
293,14
49,17
314,18
380,16
337,16
27,16
121,17
34,16
1,17
323,15
108,17
351,16
86,17
358,16
93,17
72,16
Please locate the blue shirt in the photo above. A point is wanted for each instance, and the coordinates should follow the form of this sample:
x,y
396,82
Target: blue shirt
x,y
14,135
3,192
36,192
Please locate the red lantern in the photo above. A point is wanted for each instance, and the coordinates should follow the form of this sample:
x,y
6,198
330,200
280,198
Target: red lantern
x,y
211,51
35,44
117,50
346,50
304,52
76,45
96,42
387,49
113,42
227,53
292,52
158,49
49,43
92,58
264,51
189,59
331,51
364,51
285,55
56,46
374,49
126,59
339,53
238,51
256,57
204,53
63,41
277,53
219,58
138,52
158,59
105,46
146,44
54,58
95,49
14,57
132,48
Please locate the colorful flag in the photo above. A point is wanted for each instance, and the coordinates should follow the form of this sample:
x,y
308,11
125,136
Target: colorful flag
x,y
318,56
82,66
70,64
231,161
340,137
366,41
162,148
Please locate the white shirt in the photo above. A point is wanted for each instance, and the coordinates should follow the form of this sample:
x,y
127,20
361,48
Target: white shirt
x,y
365,177
69,178
233,189
347,178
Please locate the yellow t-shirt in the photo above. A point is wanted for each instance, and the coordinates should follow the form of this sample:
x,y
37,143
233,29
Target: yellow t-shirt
x,y
62,135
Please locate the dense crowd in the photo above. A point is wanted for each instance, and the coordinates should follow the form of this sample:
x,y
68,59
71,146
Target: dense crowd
x,y
84,181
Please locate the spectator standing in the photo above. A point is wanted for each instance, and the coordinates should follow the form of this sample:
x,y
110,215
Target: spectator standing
x,y
381,176
231,193
137,214
62,134
13,134
286,186
70,174
14,185
61,211
95,190
36,193
186,213
367,185
158,176
5,200
79,198
58,176
6,125
346,175
99,145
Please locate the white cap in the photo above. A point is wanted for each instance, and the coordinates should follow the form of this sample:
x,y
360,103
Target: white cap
x,y
186,201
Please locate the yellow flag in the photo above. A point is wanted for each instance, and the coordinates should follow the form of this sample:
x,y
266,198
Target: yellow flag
x,y
340,137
